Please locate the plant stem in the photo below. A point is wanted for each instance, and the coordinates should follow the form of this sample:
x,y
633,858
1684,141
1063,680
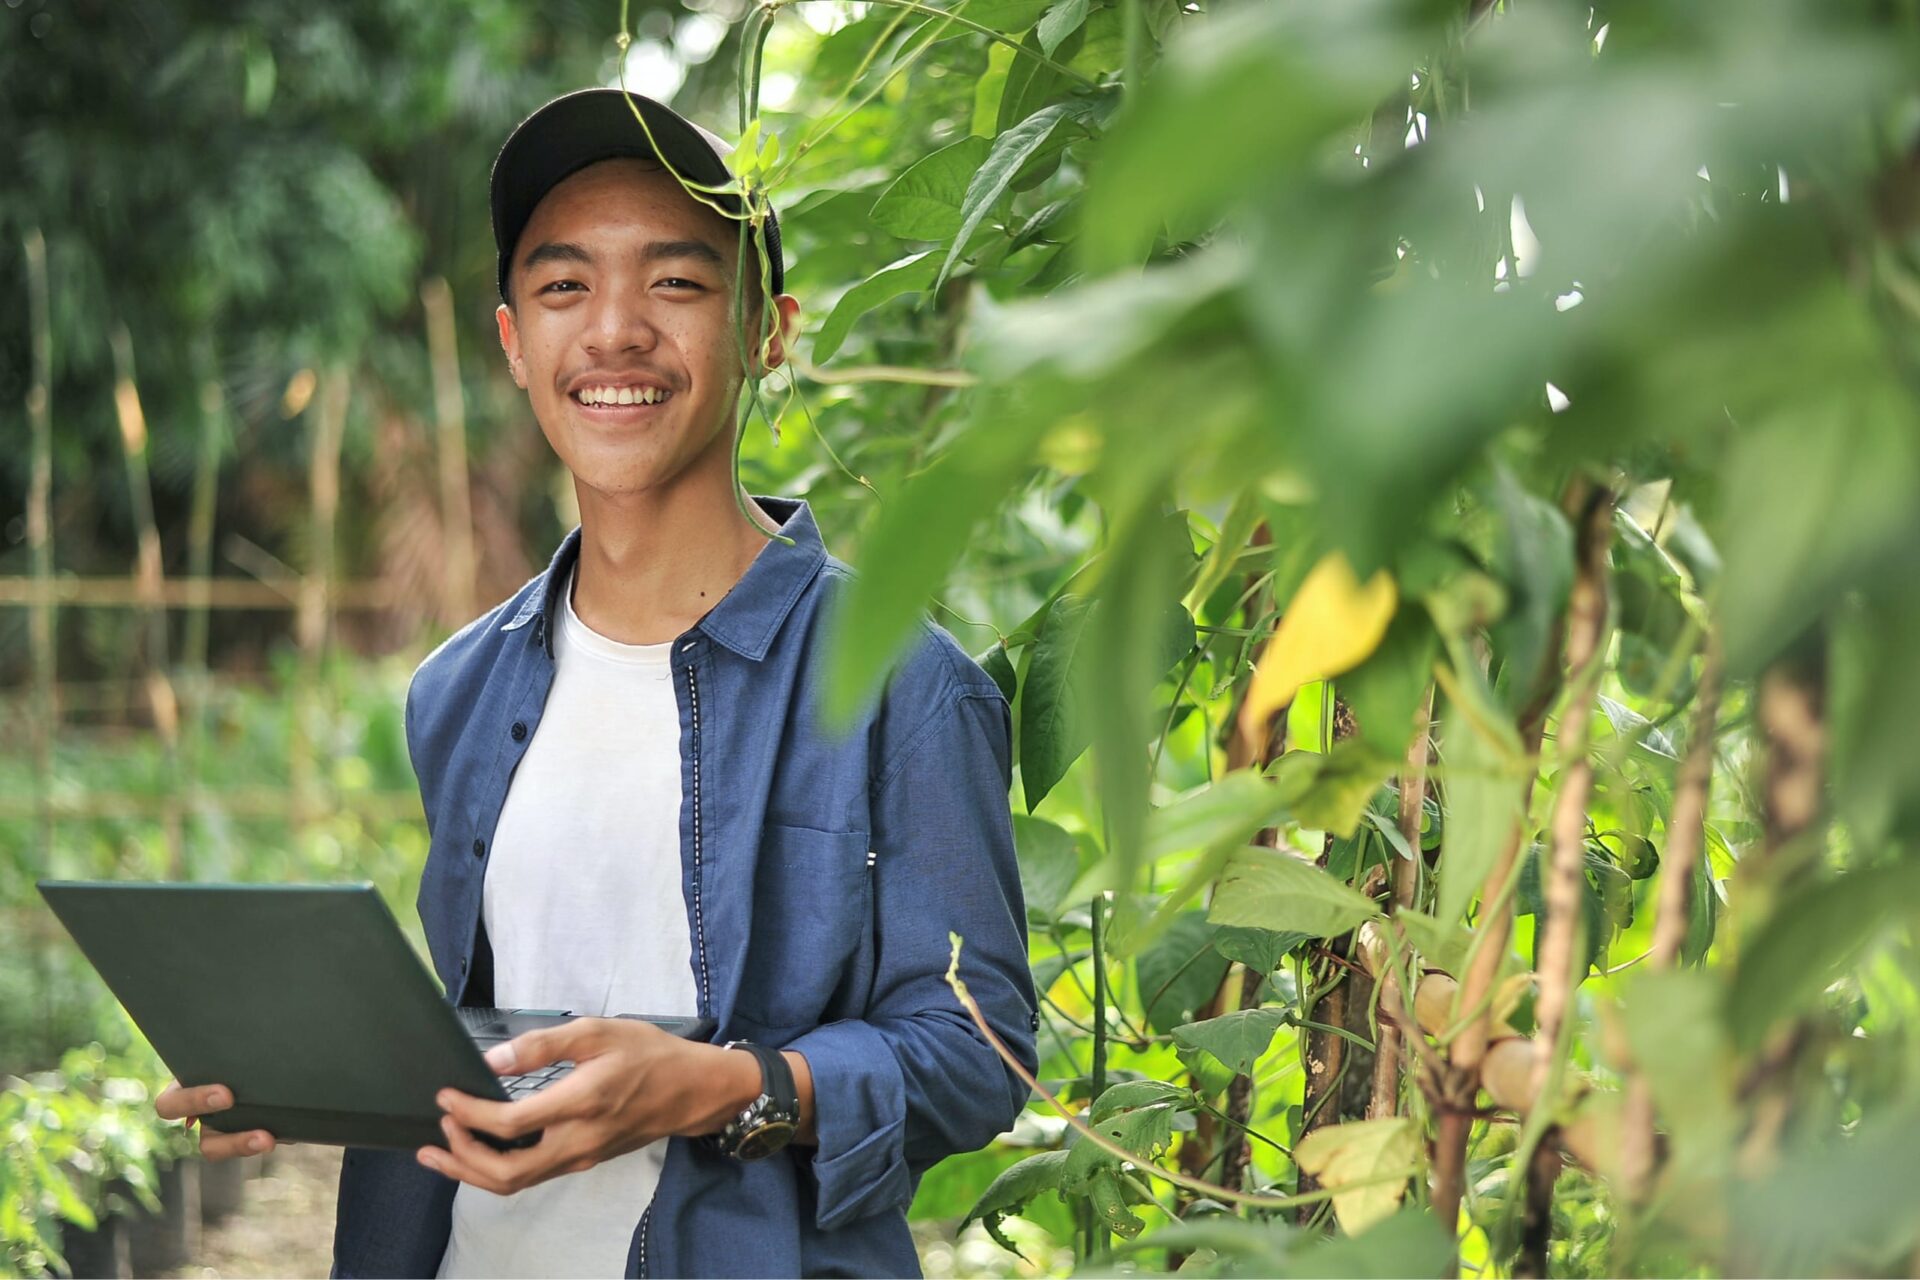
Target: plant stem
x,y
1099,997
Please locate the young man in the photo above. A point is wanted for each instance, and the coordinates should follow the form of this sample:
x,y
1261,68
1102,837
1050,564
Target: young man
x,y
635,806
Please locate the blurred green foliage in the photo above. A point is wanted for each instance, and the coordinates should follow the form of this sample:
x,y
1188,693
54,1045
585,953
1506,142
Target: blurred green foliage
x,y
1121,317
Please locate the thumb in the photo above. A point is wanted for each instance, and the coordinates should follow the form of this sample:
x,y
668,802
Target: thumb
x,y
535,1049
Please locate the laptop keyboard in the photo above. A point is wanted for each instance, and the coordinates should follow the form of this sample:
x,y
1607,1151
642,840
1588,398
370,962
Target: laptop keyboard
x,y
484,1024
518,1087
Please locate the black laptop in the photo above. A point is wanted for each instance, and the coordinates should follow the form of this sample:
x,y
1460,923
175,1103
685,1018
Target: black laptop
x,y
307,1001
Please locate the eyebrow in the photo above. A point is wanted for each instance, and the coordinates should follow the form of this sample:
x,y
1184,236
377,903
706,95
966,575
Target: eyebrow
x,y
652,251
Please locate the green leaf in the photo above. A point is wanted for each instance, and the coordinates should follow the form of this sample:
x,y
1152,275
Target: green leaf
x,y
1333,789
1288,76
906,275
1049,864
924,528
1387,689
1055,721
1533,557
1261,950
1483,793
1819,509
1137,1093
1268,889
1678,1041
1441,945
1109,1202
1146,1131
996,664
1009,17
924,203
1010,1192
1237,1039
1703,912
1842,1205
1810,938
1052,733
1875,700
1179,974
1062,20
1227,812
991,176
1410,1243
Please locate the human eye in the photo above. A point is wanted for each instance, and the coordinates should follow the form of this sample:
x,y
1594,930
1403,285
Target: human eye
x,y
681,282
561,286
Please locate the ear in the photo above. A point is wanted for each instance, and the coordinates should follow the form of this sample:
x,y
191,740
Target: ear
x,y
774,350
510,343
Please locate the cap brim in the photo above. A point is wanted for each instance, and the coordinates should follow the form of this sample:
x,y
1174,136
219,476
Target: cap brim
x,y
583,128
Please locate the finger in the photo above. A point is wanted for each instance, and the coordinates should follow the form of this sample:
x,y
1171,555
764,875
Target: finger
x,y
570,1042
215,1145
566,1100
472,1161
176,1103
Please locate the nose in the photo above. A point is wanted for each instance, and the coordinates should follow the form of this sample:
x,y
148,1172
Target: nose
x,y
619,320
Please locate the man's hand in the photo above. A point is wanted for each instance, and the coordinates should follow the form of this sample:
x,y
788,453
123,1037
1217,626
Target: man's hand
x,y
176,1103
631,1084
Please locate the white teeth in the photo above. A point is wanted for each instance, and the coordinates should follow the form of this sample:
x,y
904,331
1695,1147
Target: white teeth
x,y
620,395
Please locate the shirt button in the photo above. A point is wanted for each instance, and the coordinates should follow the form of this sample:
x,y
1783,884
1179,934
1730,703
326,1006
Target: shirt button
x,y
479,848
463,966
519,731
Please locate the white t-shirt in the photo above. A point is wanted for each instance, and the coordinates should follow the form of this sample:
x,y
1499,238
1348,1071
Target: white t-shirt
x,y
584,910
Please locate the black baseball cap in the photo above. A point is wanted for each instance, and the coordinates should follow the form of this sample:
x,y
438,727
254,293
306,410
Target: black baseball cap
x,y
578,129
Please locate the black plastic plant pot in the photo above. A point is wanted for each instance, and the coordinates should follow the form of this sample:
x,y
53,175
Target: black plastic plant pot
x,y
101,1254
223,1188
169,1239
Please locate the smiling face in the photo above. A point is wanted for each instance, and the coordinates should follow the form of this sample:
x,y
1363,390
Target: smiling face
x,y
618,329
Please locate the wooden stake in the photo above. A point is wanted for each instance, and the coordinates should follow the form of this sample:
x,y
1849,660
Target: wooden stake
x,y
1587,610
1686,842
450,414
161,699
1403,880
40,544
313,619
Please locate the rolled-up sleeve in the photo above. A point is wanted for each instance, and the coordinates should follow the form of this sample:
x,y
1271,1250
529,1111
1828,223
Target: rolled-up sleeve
x,y
914,1081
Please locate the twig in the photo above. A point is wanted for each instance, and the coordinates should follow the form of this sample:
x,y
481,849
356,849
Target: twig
x,y
1112,1148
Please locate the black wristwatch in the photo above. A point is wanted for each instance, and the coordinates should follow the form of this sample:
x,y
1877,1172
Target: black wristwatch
x,y
770,1120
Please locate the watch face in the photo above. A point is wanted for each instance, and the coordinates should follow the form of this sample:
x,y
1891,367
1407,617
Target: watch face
x,y
764,1140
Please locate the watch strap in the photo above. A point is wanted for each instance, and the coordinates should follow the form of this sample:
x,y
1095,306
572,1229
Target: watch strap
x,y
776,1077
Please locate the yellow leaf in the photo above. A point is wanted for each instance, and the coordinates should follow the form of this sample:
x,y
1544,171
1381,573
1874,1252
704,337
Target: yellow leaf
x,y
1374,1157
1332,625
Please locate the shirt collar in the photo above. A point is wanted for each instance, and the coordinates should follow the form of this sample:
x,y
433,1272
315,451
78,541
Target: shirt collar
x,y
748,616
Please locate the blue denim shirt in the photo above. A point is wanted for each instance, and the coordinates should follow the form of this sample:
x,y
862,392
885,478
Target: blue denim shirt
x,y
822,872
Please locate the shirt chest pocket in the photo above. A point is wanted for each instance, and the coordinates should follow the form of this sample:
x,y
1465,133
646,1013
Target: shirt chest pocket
x,y
812,905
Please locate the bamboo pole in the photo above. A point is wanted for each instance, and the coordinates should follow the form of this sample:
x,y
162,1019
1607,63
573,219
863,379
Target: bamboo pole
x,y
1686,842
450,414
1587,610
40,544
313,618
161,700
206,472
40,623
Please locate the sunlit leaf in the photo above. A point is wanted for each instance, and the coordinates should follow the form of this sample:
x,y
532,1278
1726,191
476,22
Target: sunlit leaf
x,y
1271,889
1332,623
1362,1152
924,203
906,275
